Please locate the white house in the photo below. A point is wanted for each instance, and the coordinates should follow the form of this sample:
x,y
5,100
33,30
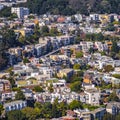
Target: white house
x,y
93,97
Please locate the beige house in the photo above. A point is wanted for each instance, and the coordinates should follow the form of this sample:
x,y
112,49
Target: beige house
x,y
65,73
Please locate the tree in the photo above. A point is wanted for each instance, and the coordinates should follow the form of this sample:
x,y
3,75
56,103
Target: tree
x,y
76,66
38,105
5,12
108,116
12,81
75,79
54,31
13,15
79,54
38,89
80,73
9,37
113,97
1,109
108,68
78,39
76,86
45,29
47,110
91,50
15,115
116,76
50,88
31,113
110,27
55,109
114,48
26,60
20,95
75,104
63,106
117,117
22,39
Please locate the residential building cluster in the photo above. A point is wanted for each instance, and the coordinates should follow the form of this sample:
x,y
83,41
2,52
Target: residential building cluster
x,y
50,63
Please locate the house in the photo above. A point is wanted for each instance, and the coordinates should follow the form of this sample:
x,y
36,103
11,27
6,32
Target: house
x,y
34,60
15,105
71,113
46,71
7,96
99,46
115,81
5,85
83,114
94,17
27,92
87,78
25,32
65,40
84,46
67,118
40,49
65,73
88,86
93,97
113,108
98,114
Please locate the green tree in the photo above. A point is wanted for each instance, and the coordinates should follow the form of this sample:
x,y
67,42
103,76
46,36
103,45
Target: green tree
x,y
31,113
116,76
108,116
22,39
13,15
1,109
47,110
115,47
75,104
12,81
117,117
113,97
110,27
38,105
9,37
55,109
75,79
91,50
79,54
76,86
50,88
80,73
37,32
38,89
20,95
5,12
54,31
15,115
78,39
63,107
45,29
76,66
26,60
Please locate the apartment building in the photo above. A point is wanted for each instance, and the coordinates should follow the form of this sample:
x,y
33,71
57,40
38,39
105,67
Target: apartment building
x,y
15,105
20,11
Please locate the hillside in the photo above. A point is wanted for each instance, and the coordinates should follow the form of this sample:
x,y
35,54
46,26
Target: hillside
x,y
68,7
